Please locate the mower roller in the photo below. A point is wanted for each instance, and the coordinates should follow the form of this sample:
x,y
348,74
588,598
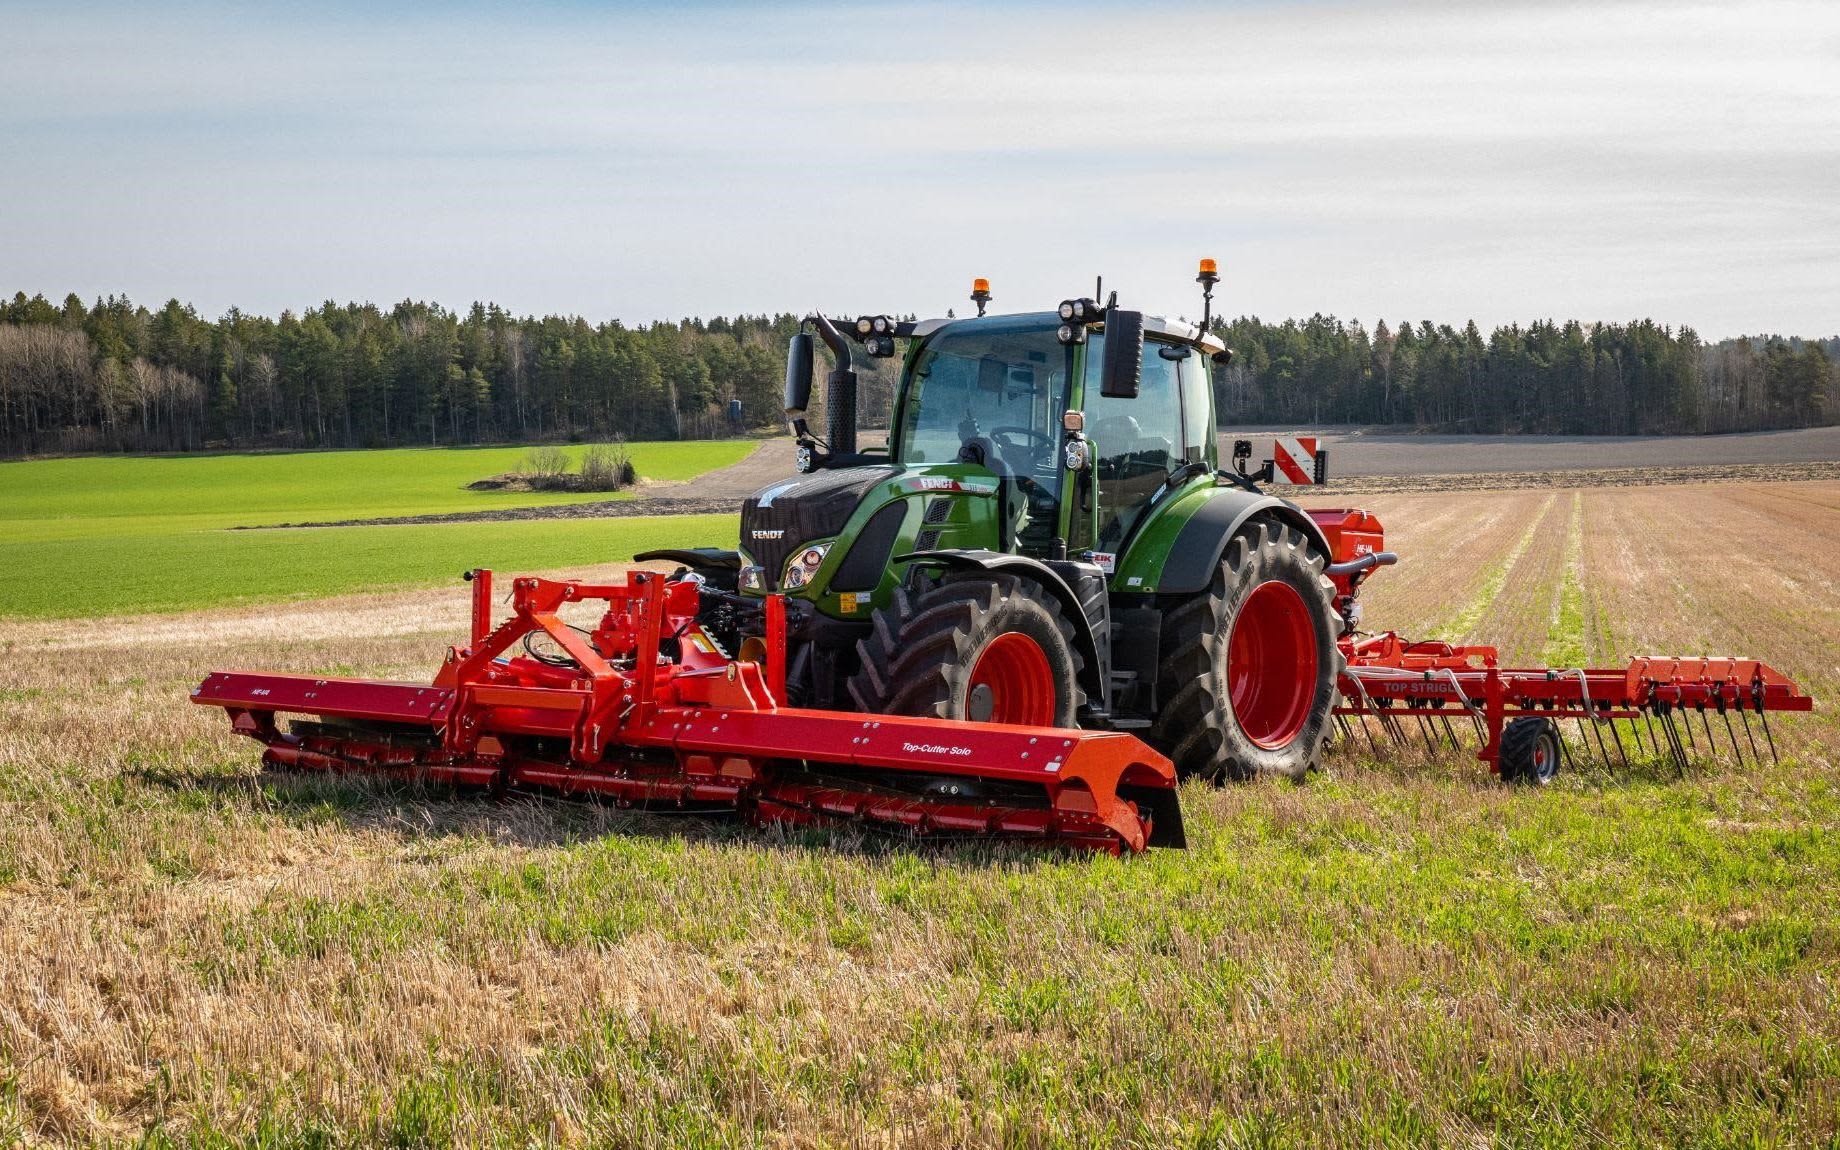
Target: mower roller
x,y
1026,617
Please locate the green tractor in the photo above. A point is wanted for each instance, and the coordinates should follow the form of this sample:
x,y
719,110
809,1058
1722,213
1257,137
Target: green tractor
x,y
1047,539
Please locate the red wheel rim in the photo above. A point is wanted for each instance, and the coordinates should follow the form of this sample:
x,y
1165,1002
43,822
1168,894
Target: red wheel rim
x,y
1271,665
1011,683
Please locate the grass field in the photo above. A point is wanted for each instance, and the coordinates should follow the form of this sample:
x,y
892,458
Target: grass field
x,y
98,536
1396,953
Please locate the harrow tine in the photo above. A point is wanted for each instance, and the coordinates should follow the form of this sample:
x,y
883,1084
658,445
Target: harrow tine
x,y
1749,735
1424,730
1369,732
1687,725
1597,732
1399,728
1450,733
1654,741
1565,747
1765,717
1620,753
1712,746
1731,734
1679,748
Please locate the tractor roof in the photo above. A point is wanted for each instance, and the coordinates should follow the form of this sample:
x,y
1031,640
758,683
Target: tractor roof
x,y
1153,325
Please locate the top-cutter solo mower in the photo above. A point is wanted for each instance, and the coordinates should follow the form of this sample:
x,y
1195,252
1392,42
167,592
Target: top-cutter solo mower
x,y
1027,616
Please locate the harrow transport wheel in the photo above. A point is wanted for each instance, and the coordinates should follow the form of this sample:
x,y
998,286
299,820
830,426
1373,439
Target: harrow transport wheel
x,y
988,648
1248,678
1530,751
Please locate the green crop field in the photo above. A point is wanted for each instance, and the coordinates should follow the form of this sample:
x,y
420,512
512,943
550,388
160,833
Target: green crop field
x,y
97,536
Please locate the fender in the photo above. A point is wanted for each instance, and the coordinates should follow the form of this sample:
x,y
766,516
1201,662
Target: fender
x,y
1095,670
1202,539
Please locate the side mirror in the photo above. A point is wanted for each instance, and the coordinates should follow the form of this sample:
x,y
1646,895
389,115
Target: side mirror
x,y
1122,370
798,374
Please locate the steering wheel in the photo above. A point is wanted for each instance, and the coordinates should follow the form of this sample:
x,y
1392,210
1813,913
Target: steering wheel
x,y
1046,441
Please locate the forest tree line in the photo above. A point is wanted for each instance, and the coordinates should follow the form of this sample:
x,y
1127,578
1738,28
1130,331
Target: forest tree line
x,y
114,376
1547,378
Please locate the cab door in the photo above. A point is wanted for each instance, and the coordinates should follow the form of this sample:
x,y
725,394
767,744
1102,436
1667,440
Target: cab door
x,y
1136,443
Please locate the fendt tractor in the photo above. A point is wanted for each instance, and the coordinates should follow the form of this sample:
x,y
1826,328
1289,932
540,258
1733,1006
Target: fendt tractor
x,y
1047,540
1028,614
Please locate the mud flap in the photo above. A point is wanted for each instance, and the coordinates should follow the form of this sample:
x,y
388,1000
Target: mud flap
x,y
1165,813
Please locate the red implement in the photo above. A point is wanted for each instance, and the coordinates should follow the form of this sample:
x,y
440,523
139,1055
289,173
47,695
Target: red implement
x,y
1390,679
647,710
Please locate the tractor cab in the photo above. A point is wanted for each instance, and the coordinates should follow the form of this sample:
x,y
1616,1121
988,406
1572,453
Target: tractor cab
x,y
1051,447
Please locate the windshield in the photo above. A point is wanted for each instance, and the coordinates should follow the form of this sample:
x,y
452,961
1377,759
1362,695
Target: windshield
x,y
995,387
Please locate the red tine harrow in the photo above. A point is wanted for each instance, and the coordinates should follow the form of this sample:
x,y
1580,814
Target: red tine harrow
x,y
1515,713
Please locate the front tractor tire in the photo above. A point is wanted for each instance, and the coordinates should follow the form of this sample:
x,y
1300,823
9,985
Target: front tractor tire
x,y
988,648
1248,680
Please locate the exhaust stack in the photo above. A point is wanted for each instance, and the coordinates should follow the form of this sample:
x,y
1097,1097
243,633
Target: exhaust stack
x,y
839,390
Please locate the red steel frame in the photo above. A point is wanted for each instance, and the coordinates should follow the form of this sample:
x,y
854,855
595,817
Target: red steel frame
x,y
701,729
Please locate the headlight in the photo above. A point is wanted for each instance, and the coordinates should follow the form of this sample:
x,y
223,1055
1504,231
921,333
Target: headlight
x,y
803,565
753,579
1076,455
1071,333
803,460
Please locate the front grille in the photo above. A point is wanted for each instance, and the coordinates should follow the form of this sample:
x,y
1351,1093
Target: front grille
x,y
863,567
800,510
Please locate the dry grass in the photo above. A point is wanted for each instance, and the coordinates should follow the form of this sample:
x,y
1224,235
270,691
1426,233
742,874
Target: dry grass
x,y
192,951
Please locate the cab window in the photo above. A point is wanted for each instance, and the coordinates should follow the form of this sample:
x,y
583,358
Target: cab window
x,y
1199,443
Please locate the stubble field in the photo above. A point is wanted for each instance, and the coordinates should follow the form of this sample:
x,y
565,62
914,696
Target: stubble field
x,y
1397,952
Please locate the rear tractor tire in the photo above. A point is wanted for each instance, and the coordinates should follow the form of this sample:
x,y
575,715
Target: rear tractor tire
x,y
1529,751
1248,681
987,648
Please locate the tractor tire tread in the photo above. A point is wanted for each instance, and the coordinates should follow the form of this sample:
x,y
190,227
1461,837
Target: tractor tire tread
x,y
916,657
1195,726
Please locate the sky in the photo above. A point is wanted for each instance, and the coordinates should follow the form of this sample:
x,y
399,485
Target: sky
x,y
1400,160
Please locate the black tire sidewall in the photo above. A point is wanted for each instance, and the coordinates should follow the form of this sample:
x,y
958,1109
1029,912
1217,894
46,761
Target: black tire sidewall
x,y
1520,741
920,659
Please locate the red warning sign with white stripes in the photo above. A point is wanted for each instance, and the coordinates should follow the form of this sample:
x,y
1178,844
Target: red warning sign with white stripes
x,y
1294,459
